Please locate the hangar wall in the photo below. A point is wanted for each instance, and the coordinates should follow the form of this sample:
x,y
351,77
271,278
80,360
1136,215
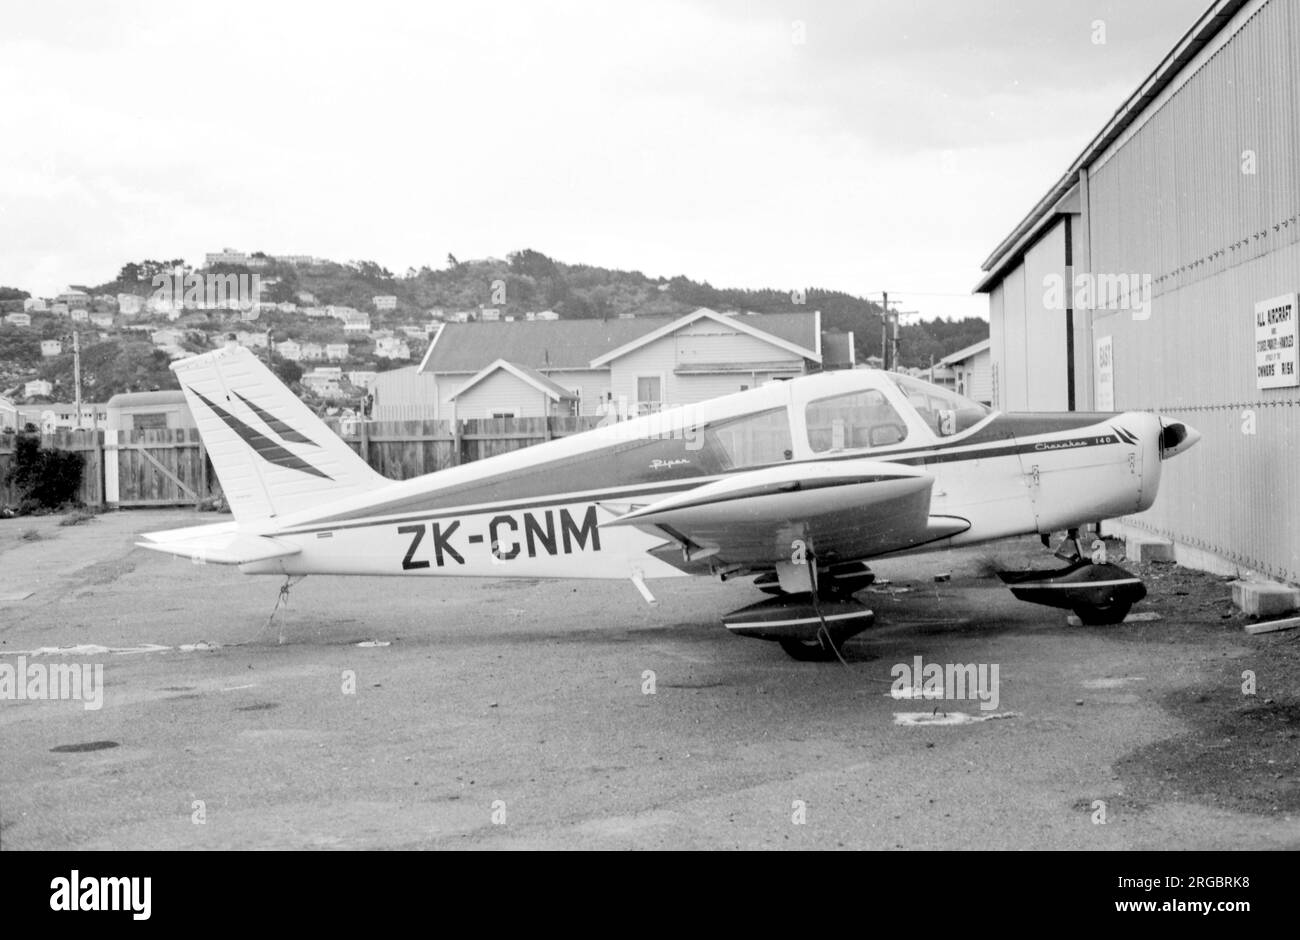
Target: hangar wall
x,y
1175,198
1027,340
1198,196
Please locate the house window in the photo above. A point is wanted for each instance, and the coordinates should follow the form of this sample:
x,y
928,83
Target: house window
x,y
149,421
503,414
649,394
750,441
859,419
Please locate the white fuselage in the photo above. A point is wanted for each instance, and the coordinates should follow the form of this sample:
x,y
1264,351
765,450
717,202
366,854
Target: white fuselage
x,y
543,517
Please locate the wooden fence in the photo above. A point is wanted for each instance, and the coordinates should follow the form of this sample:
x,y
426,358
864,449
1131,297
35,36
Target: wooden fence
x,y
400,450
171,467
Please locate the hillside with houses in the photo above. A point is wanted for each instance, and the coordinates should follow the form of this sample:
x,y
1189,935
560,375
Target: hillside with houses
x,y
329,328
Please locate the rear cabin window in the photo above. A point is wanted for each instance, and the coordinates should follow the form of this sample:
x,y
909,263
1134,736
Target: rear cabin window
x,y
859,419
750,441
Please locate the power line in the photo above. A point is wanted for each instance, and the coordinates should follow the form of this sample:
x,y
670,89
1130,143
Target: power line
x,y
922,293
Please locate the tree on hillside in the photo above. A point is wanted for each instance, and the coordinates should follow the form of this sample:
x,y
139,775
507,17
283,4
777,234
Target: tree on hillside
x,y
532,264
137,276
113,367
373,273
13,293
576,307
287,371
18,345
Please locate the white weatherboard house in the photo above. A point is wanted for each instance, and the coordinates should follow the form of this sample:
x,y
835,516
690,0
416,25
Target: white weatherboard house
x,y
399,394
973,368
505,390
590,367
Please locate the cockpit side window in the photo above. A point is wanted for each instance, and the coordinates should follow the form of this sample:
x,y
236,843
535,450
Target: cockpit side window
x,y
856,420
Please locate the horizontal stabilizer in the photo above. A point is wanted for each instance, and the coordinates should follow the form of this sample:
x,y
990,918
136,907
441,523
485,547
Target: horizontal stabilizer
x,y
221,544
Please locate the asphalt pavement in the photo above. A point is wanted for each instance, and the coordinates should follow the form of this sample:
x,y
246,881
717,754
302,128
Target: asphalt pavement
x,y
406,713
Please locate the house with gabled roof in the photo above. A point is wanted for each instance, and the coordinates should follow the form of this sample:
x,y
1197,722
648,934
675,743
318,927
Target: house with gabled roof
x,y
705,354
505,390
636,365
973,371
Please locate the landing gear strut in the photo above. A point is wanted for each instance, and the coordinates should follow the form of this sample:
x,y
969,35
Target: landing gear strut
x,y
1071,539
811,625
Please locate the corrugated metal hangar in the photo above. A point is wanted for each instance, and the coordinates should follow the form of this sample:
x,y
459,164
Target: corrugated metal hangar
x,y
1160,273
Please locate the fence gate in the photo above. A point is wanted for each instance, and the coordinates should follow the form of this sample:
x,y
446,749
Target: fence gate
x,y
164,467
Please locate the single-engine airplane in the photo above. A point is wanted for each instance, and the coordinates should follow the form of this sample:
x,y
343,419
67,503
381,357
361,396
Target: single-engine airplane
x,y
798,482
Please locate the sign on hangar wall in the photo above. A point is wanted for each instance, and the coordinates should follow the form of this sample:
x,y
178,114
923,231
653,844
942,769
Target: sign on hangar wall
x,y
1104,370
1276,362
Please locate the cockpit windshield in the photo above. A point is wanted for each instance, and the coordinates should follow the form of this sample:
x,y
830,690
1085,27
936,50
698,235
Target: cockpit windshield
x,y
945,411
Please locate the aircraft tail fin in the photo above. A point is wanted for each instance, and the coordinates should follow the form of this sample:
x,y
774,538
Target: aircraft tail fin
x,y
271,454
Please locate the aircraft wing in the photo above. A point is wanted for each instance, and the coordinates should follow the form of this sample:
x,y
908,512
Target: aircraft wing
x,y
220,544
850,509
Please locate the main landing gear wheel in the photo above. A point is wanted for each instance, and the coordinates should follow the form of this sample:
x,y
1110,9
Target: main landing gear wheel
x,y
1103,615
809,651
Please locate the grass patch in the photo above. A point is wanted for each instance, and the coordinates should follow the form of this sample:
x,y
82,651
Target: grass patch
x,y
30,535
77,517
988,566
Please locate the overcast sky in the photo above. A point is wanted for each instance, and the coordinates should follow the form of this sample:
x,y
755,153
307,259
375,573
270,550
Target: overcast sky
x,y
860,146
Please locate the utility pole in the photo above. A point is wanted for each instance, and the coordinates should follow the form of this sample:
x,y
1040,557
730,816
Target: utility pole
x,y
76,372
884,331
888,348
893,352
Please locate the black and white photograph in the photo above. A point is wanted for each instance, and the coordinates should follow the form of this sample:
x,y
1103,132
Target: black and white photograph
x,y
699,425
